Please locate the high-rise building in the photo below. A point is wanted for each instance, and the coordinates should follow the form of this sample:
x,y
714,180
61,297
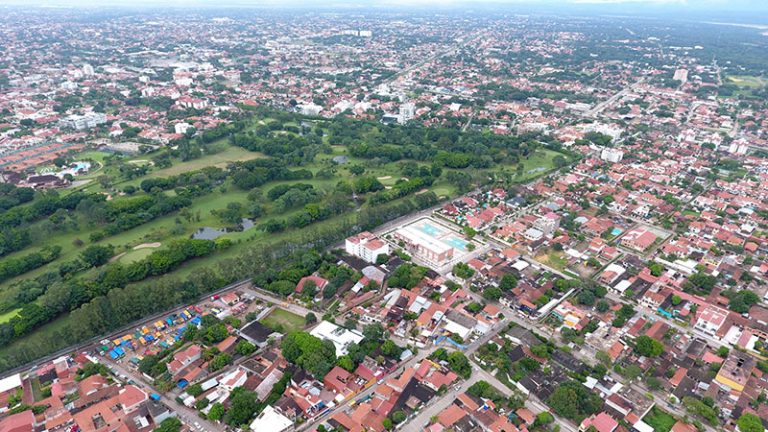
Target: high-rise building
x,y
407,112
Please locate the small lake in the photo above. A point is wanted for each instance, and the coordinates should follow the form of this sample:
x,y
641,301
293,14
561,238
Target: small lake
x,y
210,233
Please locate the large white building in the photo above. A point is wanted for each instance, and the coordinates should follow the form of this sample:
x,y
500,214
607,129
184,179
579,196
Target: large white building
x,y
271,420
612,155
425,246
341,337
88,70
85,121
366,246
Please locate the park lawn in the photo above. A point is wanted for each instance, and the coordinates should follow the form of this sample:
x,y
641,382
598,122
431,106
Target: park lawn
x,y
748,81
660,420
288,321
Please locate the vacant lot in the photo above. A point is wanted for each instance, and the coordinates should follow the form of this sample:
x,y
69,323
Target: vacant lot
x,y
281,318
660,420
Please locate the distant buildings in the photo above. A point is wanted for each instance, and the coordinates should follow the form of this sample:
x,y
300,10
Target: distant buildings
x,y
85,121
366,246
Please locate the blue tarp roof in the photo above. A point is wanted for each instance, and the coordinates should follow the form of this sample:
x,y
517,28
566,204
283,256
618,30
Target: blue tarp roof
x,y
117,352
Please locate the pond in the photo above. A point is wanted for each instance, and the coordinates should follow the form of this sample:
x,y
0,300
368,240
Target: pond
x,y
210,233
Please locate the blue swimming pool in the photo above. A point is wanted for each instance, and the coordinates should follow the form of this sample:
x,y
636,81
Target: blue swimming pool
x,y
429,229
616,231
456,243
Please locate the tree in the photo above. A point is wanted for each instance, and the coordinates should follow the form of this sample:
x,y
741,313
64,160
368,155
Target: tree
x,y
216,412
171,424
391,350
508,282
492,293
245,348
242,407
96,255
602,306
544,418
400,416
310,318
574,401
656,269
345,362
463,271
741,301
374,332
648,347
586,298
313,354
459,363
540,351
749,422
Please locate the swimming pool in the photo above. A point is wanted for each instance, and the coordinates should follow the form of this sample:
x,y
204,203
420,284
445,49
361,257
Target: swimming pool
x,y
431,230
456,243
616,231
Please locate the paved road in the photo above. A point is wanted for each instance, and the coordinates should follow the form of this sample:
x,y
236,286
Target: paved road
x,y
613,99
450,50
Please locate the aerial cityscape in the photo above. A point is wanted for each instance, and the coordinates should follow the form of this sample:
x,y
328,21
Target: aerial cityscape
x,y
512,216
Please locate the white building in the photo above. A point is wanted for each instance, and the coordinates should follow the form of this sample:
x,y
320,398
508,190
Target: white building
x,y
85,121
611,155
366,246
341,337
271,420
407,112
425,246
738,147
181,128
88,70
310,109
681,75
711,319
547,224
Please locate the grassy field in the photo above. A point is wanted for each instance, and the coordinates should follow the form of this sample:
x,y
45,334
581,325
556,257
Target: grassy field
x,y
135,255
220,159
748,81
660,420
8,315
288,321
553,259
